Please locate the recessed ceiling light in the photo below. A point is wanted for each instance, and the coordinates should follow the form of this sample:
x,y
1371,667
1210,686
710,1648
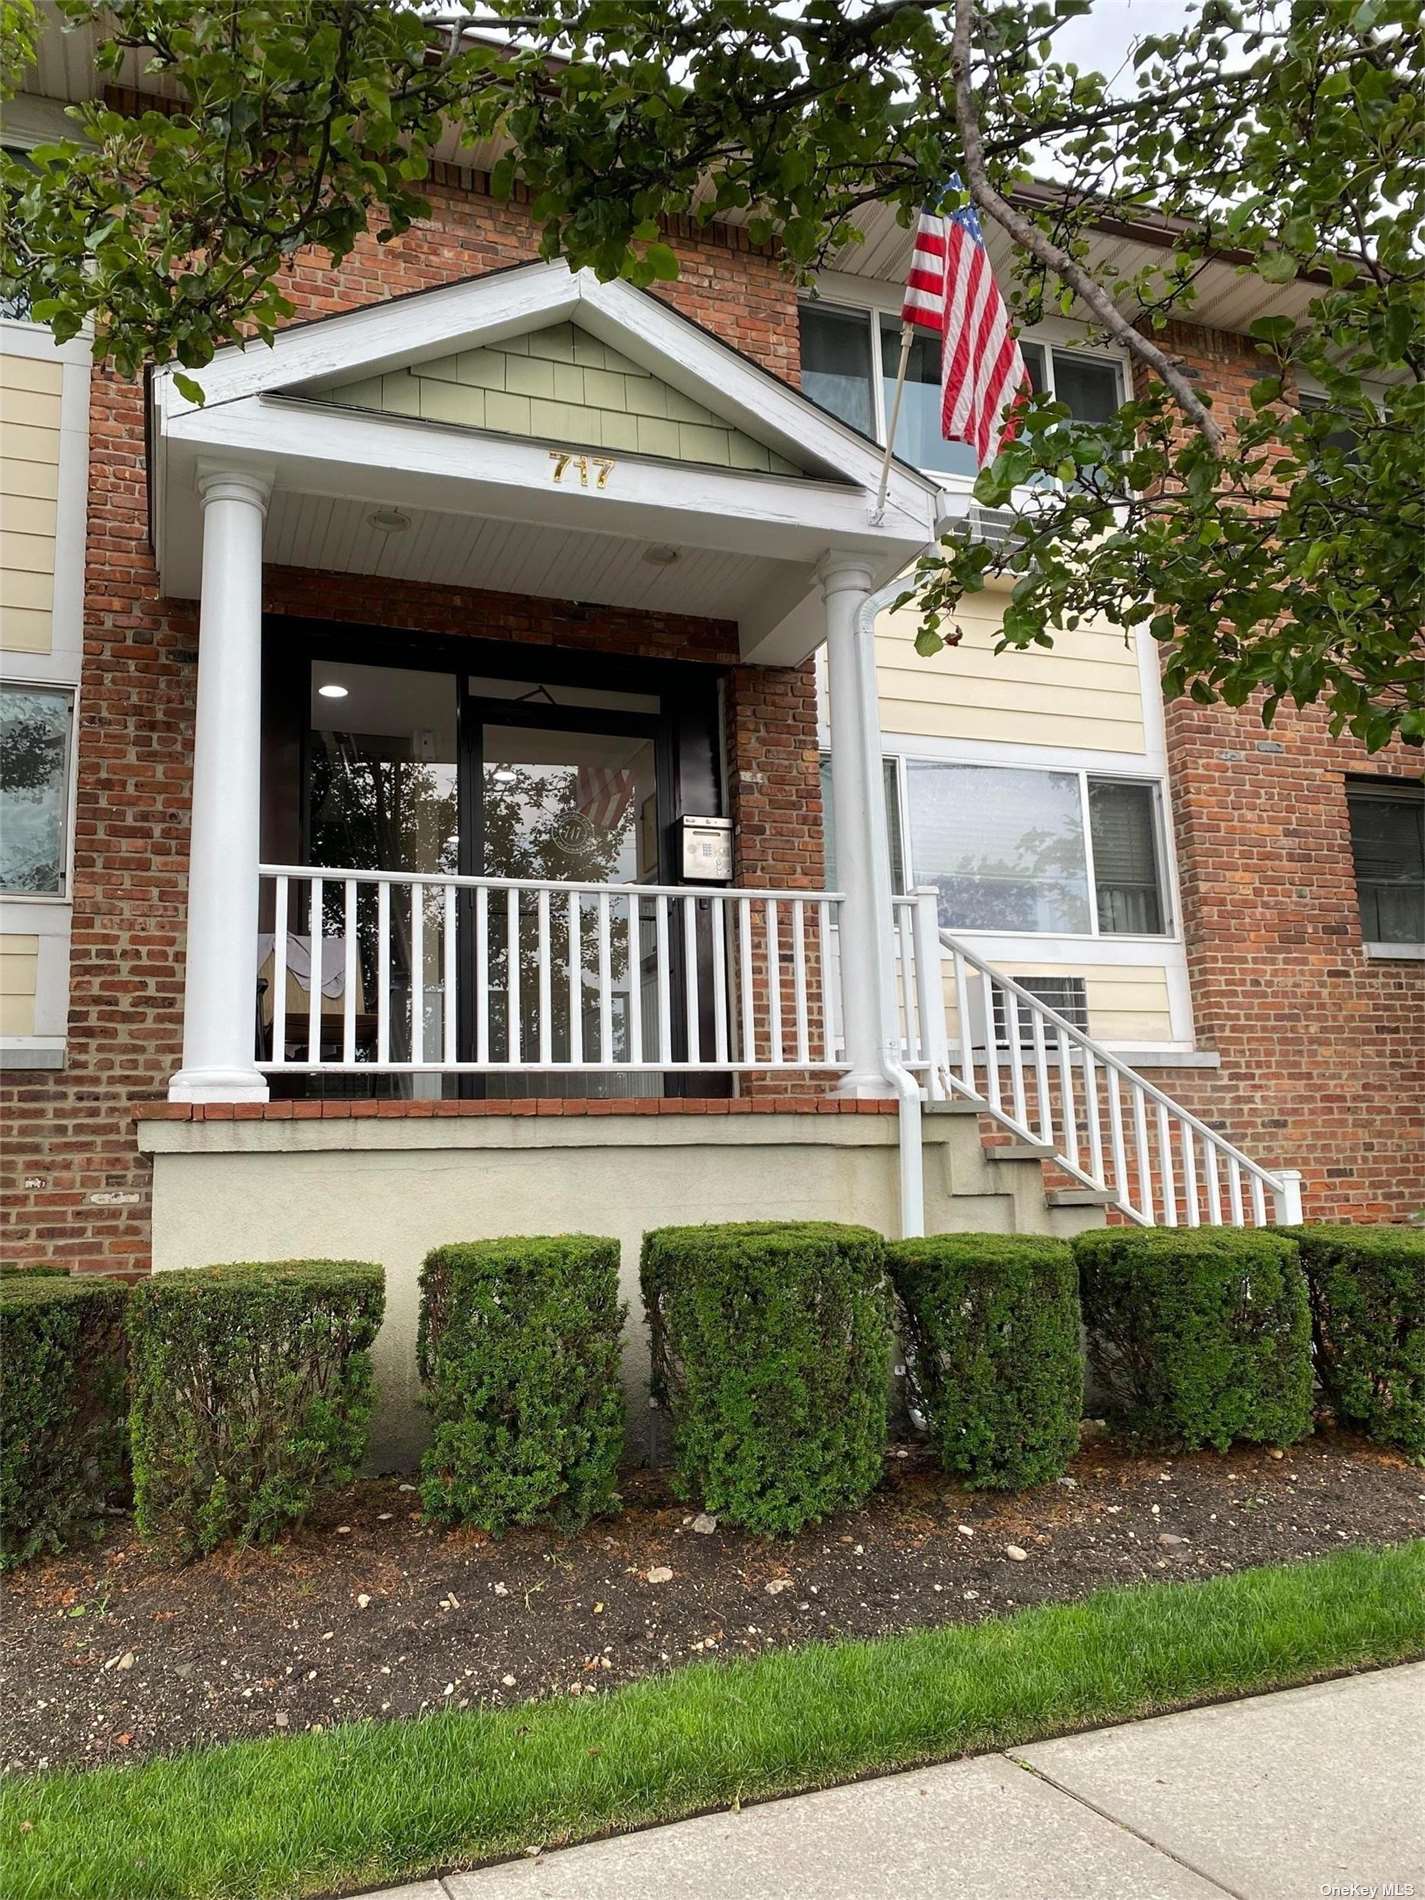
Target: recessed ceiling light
x,y
389,520
332,691
660,554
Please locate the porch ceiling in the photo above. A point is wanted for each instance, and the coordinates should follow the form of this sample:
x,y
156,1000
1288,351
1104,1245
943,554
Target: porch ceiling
x,y
336,534
523,514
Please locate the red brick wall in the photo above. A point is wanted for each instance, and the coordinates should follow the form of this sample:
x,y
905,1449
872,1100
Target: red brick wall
x,y
72,1130
1323,1048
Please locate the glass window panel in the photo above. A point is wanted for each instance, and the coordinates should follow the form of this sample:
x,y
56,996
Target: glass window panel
x,y
1004,847
575,806
1034,362
1388,844
1089,388
893,824
34,786
836,363
381,769
1127,881
918,437
537,693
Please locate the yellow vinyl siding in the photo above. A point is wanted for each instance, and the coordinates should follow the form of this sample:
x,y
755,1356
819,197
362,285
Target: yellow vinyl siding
x,y
1083,694
19,963
562,385
1127,1003
30,372
29,485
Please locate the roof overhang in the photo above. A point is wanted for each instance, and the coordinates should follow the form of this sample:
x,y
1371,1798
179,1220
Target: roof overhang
x,y
748,543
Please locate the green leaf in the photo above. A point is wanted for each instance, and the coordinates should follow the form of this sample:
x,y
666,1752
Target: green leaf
x,y
662,262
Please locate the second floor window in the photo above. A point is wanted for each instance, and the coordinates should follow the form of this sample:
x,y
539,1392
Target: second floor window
x,y
849,362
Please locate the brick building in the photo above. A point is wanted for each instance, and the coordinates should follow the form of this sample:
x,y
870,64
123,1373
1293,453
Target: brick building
x,y
514,624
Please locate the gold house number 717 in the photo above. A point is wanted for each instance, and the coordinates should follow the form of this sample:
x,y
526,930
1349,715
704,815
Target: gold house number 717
x,y
565,459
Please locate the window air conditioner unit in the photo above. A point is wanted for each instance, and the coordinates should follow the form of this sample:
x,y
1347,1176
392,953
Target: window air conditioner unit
x,y
996,527
1067,996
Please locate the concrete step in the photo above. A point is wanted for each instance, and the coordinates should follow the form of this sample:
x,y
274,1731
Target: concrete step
x,y
1020,1151
956,1106
1081,1197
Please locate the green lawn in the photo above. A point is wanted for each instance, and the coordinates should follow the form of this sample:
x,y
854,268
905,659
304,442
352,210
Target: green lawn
x,y
366,1804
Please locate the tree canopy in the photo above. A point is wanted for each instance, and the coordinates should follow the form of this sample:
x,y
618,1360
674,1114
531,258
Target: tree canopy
x,y
1275,554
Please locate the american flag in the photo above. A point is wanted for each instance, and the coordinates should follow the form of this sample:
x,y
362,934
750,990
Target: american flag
x,y
951,290
603,794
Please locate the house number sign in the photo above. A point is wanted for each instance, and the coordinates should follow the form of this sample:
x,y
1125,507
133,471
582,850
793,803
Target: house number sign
x,y
565,460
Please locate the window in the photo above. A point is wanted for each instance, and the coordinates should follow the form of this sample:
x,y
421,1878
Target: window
x,y
35,726
836,364
14,303
1123,827
1388,845
837,374
893,824
1023,850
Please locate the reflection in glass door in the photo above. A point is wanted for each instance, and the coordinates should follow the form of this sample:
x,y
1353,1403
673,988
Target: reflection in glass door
x,y
570,804
382,795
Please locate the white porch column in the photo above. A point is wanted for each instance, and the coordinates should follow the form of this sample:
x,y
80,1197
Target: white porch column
x,y
220,994
858,798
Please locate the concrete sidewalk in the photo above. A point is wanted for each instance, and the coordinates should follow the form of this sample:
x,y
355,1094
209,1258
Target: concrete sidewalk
x,y
1317,1791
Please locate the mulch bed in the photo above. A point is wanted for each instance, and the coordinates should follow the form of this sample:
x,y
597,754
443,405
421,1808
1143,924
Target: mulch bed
x,y
113,1652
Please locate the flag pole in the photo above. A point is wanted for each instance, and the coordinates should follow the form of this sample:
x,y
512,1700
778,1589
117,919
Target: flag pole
x,y
906,336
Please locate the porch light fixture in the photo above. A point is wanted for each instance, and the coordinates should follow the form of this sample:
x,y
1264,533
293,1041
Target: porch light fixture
x,y
389,520
503,775
660,555
332,691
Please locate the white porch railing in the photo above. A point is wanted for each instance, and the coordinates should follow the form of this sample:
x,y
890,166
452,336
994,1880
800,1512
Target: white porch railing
x,y
359,970
1059,1091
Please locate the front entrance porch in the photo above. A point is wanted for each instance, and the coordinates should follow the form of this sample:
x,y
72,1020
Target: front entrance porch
x,y
509,913
557,891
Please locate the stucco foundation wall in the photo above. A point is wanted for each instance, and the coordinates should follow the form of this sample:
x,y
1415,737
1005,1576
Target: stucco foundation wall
x,y
389,1191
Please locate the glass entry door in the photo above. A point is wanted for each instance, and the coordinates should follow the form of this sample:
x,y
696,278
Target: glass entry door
x,y
390,756
567,793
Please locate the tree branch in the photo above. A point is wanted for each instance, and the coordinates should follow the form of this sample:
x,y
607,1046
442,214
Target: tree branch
x,y
1030,238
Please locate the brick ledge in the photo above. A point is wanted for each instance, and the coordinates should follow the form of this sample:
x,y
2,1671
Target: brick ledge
x,y
527,1105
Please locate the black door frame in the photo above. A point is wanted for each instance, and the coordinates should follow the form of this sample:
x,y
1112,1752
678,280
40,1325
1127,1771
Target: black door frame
x,y
685,734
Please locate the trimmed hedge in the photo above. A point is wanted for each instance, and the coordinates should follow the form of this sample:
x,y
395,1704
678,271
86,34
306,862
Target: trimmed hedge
x,y
519,1350
771,1344
63,1445
1202,1334
251,1393
993,1361
1367,1288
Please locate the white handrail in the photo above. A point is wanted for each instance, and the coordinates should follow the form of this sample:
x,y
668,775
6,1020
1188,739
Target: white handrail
x,y
461,882
1169,1184
594,978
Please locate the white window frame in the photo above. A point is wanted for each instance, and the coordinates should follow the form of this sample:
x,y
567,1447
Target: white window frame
x,y
913,754
872,299
40,684
1384,790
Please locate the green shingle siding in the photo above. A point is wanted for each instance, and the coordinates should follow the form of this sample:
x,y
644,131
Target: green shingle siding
x,y
563,385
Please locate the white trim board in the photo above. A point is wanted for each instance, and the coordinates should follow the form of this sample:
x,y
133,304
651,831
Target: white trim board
x,y
485,310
